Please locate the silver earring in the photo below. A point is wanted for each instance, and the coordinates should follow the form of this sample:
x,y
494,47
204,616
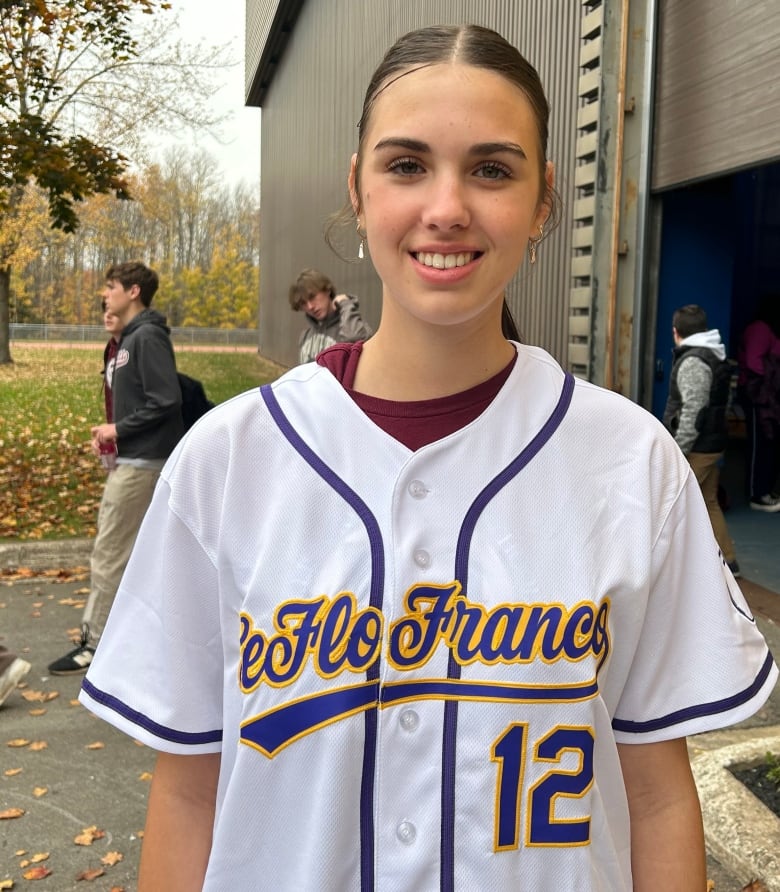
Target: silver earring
x,y
532,244
362,236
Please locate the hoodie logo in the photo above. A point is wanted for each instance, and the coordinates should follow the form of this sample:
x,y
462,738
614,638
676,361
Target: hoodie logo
x,y
122,358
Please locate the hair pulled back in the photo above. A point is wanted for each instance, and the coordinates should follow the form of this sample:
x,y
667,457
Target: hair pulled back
x,y
470,45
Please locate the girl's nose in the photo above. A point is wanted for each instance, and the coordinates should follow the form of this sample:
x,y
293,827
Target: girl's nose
x,y
446,205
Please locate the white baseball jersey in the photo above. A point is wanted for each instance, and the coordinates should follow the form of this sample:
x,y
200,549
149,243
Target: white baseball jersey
x,y
416,665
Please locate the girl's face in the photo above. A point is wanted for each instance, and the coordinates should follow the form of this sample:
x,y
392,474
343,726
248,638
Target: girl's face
x,y
450,192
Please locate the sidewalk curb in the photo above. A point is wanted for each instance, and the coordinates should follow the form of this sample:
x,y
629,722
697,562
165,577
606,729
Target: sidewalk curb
x,y
740,831
46,554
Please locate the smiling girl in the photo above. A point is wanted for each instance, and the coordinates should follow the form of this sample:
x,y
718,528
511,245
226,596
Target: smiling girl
x,y
428,613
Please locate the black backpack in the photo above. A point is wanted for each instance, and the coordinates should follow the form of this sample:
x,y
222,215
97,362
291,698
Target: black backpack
x,y
194,402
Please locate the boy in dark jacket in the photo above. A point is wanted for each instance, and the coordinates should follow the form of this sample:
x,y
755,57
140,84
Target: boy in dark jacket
x,y
146,426
696,410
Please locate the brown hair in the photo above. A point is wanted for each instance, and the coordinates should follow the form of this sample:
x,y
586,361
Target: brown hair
x,y
689,320
309,283
133,272
470,45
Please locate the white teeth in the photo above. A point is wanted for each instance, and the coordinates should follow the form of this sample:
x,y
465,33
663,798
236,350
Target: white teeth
x,y
445,261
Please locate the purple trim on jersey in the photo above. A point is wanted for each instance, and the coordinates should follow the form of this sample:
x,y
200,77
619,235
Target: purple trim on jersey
x,y
138,718
375,600
278,727
449,738
700,709
456,689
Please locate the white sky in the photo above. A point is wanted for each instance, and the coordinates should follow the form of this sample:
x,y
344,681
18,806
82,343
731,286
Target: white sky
x,y
218,22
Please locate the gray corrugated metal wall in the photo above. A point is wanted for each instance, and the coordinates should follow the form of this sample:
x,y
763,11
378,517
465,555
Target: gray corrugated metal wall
x,y
717,101
309,133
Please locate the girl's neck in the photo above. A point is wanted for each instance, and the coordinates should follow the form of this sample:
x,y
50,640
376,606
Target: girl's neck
x,y
425,364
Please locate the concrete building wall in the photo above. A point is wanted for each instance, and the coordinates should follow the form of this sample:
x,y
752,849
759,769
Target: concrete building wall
x,y
310,108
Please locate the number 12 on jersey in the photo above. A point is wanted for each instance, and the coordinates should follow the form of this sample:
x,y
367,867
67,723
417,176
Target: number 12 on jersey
x,y
543,827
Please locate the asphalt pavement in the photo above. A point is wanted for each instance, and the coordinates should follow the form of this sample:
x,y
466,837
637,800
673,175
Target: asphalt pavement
x,y
82,787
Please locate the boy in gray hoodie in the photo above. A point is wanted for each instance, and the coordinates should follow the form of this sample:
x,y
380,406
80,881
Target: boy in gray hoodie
x,y
696,410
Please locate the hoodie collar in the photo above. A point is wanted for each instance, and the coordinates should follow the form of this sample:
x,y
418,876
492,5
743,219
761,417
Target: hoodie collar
x,y
709,339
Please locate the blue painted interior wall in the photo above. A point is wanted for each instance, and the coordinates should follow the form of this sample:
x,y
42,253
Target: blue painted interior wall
x,y
697,267
720,248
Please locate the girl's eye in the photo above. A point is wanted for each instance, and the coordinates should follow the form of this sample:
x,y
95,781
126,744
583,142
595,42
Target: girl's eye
x,y
405,166
492,170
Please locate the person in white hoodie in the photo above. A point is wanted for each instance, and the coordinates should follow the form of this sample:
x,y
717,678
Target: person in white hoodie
x,y
696,410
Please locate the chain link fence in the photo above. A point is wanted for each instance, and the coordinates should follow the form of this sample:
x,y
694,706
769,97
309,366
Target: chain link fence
x,y
79,334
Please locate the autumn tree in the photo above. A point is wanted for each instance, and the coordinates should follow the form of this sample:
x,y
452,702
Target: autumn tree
x,y
201,235
75,89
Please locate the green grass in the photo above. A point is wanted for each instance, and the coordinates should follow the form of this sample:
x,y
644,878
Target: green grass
x,y
50,482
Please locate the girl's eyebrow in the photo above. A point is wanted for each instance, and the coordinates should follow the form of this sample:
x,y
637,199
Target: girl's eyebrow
x,y
482,148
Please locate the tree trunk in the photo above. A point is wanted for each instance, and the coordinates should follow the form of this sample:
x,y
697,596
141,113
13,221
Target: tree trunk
x,y
5,315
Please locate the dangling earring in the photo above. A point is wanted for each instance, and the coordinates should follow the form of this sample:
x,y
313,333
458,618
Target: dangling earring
x,y
362,235
533,242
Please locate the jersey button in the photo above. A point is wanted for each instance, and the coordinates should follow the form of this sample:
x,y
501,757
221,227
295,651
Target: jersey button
x,y
422,558
406,832
417,489
409,720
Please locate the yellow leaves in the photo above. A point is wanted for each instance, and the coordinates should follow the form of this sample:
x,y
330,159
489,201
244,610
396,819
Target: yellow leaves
x,y
33,745
37,873
12,772
111,858
88,835
97,745
40,791
35,859
6,884
11,813
40,696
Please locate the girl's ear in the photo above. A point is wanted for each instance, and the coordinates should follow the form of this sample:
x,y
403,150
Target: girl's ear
x,y
546,205
352,185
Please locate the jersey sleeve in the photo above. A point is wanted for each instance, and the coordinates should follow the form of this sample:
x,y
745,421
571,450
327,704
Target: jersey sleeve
x,y
158,669
700,663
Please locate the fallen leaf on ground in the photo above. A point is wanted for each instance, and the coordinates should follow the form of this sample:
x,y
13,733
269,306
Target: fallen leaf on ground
x,y
12,772
38,745
88,835
97,745
40,856
11,813
6,884
91,874
40,696
145,776
37,712
754,886
18,741
111,858
40,791
37,873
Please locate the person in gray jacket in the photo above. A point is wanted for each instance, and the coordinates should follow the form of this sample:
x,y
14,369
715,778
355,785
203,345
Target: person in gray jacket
x,y
332,318
147,424
696,410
